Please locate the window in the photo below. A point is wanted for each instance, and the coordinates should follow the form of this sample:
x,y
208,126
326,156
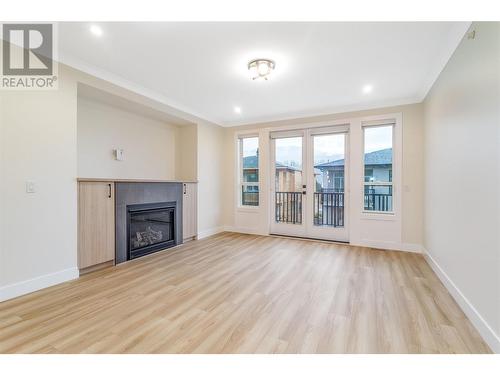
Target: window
x,y
378,155
338,181
368,174
249,167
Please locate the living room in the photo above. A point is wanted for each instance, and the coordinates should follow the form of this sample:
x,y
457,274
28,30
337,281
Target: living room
x,y
250,187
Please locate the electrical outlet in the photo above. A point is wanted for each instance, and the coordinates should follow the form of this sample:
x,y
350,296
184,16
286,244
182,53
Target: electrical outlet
x,y
30,187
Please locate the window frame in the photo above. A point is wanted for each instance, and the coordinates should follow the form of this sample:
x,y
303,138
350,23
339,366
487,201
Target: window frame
x,y
390,184
241,182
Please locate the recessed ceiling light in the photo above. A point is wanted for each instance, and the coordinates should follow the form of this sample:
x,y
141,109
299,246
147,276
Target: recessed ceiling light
x,y
367,89
96,30
237,110
261,68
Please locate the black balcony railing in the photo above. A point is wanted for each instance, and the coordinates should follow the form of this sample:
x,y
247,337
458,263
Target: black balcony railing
x,y
378,202
288,207
329,209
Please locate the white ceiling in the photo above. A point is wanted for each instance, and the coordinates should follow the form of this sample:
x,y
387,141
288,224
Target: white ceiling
x,y
200,68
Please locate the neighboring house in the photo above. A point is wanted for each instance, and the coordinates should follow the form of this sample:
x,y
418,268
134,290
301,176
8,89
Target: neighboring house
x,y
288,178
378,167
251,172
250,193
329,176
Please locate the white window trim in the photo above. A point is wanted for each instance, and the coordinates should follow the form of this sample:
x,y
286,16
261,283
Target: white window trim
x,y
364,126
397,141
239,167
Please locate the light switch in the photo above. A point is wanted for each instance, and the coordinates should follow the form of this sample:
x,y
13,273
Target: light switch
x,y
30,187
119,154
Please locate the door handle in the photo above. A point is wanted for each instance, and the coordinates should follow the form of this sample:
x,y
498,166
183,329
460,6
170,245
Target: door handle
x,y
184,188
109,191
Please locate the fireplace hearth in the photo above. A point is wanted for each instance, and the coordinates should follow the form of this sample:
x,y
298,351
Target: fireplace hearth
x,y
150,228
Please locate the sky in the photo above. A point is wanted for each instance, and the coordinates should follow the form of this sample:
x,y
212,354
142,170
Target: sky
x,y
378,138
250,146
289,151
326,148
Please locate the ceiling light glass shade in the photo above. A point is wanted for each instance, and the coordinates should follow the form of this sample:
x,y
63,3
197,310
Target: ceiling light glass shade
x,y
254,71
261,68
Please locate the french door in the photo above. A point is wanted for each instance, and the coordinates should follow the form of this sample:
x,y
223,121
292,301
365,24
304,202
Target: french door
x,y
309,171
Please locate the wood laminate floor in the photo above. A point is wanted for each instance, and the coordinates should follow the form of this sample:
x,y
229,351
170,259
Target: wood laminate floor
x,y
236,293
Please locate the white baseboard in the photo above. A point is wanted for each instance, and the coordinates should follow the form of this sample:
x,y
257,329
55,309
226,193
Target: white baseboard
x,y
399,246
244,231
412,247
209,232
408,247
484,329
37,283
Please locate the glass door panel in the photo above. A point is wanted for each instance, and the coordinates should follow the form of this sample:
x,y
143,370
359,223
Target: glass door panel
x,y
288,180
329,175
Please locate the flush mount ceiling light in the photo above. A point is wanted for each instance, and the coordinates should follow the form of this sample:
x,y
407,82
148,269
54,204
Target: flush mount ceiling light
x,y
260,69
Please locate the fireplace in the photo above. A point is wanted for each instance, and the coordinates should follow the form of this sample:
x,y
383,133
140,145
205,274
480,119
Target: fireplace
x,y
150,228
133,200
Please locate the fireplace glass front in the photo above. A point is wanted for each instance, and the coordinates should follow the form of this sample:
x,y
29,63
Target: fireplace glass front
x,y
150,229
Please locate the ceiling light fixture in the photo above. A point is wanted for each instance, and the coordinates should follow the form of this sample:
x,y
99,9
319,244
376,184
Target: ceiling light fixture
x,y
367,89
96,30
237,110
260,69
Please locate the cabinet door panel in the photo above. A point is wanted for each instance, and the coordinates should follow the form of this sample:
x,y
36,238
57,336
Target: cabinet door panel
x,y
96,223
189,211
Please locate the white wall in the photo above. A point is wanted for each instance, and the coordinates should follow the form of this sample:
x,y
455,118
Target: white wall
x,y
149,145
211,178
187,153
38,231
462,174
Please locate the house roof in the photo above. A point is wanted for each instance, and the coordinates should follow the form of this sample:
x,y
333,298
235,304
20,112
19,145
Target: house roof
x,y
380,157
251,162
289,167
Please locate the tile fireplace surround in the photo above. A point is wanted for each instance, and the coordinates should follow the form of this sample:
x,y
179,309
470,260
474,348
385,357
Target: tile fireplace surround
x,y
134,193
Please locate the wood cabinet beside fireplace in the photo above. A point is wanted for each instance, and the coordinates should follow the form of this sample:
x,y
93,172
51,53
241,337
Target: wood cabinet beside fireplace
x,y
96,224
189,211
103,206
